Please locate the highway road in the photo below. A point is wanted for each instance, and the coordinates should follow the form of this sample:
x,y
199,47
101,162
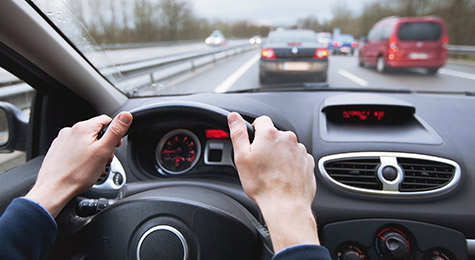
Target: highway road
x,y
241,72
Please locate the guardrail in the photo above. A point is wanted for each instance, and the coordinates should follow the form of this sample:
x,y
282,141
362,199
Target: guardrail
x,y
114,46
461,49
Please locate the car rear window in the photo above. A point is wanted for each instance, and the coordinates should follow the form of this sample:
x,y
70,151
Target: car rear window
x,y
346,38
292,36
421,31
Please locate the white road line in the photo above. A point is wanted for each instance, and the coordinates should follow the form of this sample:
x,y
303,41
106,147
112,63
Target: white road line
x,y
227,83
353,78
459,74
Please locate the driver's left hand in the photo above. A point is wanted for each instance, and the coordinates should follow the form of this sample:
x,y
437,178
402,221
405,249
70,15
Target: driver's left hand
x,y
76,159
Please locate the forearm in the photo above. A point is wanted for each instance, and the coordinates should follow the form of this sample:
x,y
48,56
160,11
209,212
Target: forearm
x,y
52,199
290,224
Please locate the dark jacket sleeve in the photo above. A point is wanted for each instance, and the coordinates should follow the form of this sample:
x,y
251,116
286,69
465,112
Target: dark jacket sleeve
x,y
303,252
27,230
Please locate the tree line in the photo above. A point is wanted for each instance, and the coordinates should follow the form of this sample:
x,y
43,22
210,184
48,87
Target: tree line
x,y
459,16
123,21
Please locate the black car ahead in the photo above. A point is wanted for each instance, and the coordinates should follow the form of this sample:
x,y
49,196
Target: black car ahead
x,y
293,55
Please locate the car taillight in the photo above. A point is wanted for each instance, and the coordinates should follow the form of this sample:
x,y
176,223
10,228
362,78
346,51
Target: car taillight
x,y
445,42
393,48
336,44
320,53
268,53
354,44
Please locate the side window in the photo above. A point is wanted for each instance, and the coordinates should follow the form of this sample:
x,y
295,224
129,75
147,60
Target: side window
x,y
19,94
386,32
370,34
376,35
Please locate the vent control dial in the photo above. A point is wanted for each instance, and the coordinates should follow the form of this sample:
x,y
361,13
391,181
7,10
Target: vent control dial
x,y
393,244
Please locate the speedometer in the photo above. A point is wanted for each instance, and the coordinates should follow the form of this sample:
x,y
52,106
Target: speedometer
x,y
178,151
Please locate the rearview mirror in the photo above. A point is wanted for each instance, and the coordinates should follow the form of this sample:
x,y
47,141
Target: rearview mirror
x,y
13,126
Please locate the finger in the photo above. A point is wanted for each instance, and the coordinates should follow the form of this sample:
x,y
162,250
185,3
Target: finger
x,y
119,143
117,129
291,136
264,127
95,124
302,148
239,135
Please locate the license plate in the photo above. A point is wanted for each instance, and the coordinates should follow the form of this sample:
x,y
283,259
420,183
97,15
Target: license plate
x,y
295,66
344,49
418,56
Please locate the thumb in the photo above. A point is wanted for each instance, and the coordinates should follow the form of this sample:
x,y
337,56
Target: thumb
x,y
239,135
117,129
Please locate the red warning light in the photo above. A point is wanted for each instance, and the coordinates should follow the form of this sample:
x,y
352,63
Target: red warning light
x,y
216,134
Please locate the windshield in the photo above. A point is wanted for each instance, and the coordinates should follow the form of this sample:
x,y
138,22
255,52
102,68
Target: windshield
x,y
175,47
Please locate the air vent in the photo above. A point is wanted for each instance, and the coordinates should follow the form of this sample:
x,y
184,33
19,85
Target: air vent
x,y
390,174
422,175
361,173
104,176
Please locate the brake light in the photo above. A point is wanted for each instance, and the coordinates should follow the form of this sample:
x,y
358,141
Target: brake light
x,y
354,44
445,41
336,44
268,53
320,53
392,47
392,41
216,134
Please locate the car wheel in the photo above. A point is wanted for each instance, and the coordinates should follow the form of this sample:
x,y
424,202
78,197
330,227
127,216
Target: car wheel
x,y
381,65
432,71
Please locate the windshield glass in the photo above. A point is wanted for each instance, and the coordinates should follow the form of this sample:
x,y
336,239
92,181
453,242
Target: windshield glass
x,y
175,47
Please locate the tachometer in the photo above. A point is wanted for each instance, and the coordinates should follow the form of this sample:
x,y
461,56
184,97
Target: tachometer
x,y
178,151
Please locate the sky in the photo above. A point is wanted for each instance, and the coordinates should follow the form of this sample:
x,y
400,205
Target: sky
x,y
272,12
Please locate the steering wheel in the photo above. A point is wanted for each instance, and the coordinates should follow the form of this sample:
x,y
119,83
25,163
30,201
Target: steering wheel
x,y
178,221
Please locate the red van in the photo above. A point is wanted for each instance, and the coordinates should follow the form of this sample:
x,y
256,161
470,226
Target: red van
x,y
406,42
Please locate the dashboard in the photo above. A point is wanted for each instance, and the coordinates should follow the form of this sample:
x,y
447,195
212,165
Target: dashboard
x,y
395,171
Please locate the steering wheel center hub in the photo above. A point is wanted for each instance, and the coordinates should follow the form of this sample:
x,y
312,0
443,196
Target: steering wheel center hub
x,y
162,242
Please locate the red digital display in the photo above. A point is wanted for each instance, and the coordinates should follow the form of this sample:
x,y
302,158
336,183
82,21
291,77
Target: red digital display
x,y
216,134
364,115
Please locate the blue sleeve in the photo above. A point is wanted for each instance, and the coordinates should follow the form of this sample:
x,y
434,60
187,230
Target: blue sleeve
x,y
303,252
27,230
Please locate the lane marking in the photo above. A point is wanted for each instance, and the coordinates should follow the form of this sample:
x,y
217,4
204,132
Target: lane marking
x,y
353,78
227,83
459,74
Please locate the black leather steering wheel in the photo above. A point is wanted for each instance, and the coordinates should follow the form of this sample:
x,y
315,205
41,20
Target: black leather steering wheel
x,y
178,221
